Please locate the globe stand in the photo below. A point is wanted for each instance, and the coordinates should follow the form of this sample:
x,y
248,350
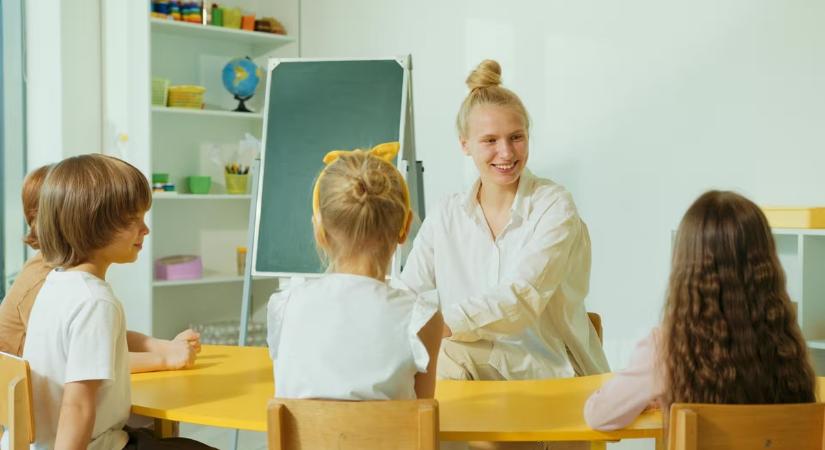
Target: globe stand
x,y
241,105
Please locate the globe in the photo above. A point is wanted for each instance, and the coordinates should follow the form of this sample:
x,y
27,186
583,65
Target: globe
x,y
241,77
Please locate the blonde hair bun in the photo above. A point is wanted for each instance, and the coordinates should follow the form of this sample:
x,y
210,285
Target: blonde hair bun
x,y
486,74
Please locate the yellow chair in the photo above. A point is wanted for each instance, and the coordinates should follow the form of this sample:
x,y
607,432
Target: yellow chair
x,y
16,414
746,427
596,320
343,425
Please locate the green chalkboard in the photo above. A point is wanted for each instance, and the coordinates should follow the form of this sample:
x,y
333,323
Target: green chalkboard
x,y
313,107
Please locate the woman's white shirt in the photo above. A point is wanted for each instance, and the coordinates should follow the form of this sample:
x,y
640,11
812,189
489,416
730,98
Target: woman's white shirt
x,y
348,337
523,291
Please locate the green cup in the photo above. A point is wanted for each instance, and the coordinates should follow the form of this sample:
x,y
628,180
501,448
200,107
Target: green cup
x,y
199,184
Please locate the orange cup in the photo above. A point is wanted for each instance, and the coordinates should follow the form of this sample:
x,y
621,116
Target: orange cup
x,y
248,23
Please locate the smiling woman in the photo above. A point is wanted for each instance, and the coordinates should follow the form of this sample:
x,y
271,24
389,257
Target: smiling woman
x,y
510,259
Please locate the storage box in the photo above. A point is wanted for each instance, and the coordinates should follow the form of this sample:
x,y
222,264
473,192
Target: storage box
x,y
160,87
186,96
180,267
795,217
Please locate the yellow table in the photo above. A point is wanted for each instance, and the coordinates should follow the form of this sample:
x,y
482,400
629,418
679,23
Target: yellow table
x,y
231,386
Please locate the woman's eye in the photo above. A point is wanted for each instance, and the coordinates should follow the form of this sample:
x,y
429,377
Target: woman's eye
x,y
517,137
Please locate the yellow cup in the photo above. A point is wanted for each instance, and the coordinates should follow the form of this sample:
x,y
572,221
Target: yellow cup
x,y
236,183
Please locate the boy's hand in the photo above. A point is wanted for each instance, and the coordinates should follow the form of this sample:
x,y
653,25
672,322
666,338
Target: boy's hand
x,y
190,336
179,354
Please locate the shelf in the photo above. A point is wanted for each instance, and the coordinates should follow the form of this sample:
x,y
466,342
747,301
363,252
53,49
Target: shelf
x,y
799,231
259,39
816,344
177,196
208,278
206,112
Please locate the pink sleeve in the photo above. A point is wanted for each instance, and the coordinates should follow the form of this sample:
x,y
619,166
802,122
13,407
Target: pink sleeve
x,y
621,399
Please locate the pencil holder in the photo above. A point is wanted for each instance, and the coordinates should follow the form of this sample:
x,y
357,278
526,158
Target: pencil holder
x,y
236,183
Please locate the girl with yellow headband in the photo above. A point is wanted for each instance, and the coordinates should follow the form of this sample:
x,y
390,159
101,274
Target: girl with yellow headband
x,y
348,335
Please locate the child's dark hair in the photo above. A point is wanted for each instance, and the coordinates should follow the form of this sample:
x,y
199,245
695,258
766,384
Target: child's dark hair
x,y
31,199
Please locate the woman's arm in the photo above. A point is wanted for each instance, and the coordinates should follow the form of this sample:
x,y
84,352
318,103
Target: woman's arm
x,y
621,399
430,336
419,268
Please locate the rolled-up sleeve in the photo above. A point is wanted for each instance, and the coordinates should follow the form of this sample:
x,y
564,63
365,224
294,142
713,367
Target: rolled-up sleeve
x,y
622,398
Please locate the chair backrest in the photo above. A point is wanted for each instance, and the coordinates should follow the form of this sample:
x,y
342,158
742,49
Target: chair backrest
x,y
596,320
345,425
734,427
16,415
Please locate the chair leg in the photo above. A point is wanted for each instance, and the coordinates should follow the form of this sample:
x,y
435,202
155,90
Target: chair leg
x,y
275,429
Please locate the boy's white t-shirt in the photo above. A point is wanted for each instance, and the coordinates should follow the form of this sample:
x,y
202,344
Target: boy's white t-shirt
x,y
348,337
77,332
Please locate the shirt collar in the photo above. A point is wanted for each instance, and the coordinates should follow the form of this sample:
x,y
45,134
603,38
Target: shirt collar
x,y
521,203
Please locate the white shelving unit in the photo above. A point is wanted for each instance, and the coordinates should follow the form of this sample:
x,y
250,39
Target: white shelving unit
x,y
137,48
802,253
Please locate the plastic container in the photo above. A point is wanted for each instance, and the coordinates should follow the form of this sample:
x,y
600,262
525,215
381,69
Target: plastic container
x,y
199,184
181,267
236,183
186,96
160,178
160,89
795,217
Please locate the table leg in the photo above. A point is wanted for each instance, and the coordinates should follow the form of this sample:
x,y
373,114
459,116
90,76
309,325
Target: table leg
x,y
166,428
660,443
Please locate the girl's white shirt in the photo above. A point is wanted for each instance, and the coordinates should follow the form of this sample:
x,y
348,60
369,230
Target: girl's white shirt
x,y
523,291
348,337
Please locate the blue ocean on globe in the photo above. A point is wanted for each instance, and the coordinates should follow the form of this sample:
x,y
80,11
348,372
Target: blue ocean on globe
x,y
241,77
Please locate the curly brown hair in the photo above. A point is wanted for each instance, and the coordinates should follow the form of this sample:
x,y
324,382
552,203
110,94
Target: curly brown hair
x,y
730,331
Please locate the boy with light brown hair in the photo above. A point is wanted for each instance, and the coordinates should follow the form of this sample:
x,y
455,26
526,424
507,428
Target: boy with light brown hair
x,y
91,215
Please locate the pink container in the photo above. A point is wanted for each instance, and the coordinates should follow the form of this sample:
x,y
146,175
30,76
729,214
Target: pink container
x,y
179,267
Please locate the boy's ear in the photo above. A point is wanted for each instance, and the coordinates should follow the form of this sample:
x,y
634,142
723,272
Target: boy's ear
x,y
318,231
405,233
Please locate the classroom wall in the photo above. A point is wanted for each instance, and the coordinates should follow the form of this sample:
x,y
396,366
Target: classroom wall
x,y
63,96
637,107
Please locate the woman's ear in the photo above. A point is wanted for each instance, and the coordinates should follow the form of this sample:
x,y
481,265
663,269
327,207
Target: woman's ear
x,y
465,147
405,232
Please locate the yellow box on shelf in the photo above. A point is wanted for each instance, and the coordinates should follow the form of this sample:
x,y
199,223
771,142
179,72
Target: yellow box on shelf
x,y
186,96
795,216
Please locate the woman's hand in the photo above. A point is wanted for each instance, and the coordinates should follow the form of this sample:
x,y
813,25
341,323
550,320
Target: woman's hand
x,y
446,332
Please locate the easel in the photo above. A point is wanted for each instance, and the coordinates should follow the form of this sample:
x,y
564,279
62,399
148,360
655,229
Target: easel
x,y
411,168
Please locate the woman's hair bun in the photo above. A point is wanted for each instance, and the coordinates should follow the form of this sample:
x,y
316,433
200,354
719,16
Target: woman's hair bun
x,y
486,74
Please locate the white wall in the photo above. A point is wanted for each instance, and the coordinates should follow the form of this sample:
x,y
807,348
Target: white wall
x,y
637,107
63,96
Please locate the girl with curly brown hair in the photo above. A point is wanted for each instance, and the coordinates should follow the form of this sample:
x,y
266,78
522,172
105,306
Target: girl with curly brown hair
x,y
729,333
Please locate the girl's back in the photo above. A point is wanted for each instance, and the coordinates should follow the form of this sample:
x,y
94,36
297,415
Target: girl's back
x,y
348,337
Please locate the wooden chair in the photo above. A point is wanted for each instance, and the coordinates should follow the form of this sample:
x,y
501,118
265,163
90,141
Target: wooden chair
x,y
739,427
596,320
343,425
16,415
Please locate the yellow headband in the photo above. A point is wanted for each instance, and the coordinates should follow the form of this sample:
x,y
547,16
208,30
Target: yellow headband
x,y
385,152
